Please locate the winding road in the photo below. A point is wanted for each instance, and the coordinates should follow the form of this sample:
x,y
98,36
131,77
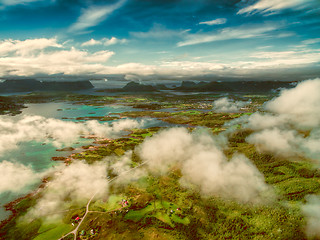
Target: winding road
x,y
75,231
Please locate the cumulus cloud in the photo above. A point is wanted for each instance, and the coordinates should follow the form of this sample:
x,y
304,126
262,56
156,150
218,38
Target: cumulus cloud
x,y
58,132
217,21
259,121
277,141
203,164
74,183
289,125
94,15
300,104
27,46
228,105
285,141
49,59
311,210
14,177
46,56
104,41
114,129
36,128
91,42
113,40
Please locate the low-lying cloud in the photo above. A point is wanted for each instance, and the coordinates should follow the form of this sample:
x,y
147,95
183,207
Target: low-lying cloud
x,y
14,177
58,132
300,104
204,165
228,105
122,168
70,185
311,210
289,126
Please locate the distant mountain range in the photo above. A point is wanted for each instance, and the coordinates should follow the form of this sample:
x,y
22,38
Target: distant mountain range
x,y
237,86
31,85
190,86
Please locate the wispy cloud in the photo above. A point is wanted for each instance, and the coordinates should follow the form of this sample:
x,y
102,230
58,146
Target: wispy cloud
x,y
17,2
94,15
267,7
159,31
311,41
242,32
286,58
217,21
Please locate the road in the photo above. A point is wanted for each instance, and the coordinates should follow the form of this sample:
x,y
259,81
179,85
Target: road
x,y
75,231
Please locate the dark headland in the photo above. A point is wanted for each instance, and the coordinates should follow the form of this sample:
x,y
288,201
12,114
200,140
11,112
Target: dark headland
x,y
31,85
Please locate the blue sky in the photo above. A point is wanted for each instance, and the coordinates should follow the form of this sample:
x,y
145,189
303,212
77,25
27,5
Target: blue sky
x,y
160,39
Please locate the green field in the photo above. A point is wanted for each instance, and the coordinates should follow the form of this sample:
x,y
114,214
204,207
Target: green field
x,y
159,206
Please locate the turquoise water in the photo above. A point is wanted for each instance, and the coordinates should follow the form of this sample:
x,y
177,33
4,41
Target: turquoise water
x,y
62,110
37,155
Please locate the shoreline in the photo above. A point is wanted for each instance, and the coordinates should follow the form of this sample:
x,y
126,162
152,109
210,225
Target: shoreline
x,y
10,206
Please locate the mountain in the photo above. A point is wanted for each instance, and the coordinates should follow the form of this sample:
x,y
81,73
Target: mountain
x,y
236,86
161,87
30,85
138,87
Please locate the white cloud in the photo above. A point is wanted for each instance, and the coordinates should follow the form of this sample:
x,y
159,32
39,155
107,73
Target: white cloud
x,y
266,7
59,132
91,42
217,21
277,141
17,2
290,124
228,105
76,182
27,46
312,212
300,104
49,57
113,40
284,58
242,32
311,41
204,165
158,31
94,15
258,121
15,176
41,56
104,41
122,167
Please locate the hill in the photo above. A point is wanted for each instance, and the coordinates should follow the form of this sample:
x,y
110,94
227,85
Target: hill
x,y
30,85
235,86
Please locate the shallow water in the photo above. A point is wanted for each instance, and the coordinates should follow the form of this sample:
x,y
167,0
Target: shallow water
x,y
62,110
37,155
